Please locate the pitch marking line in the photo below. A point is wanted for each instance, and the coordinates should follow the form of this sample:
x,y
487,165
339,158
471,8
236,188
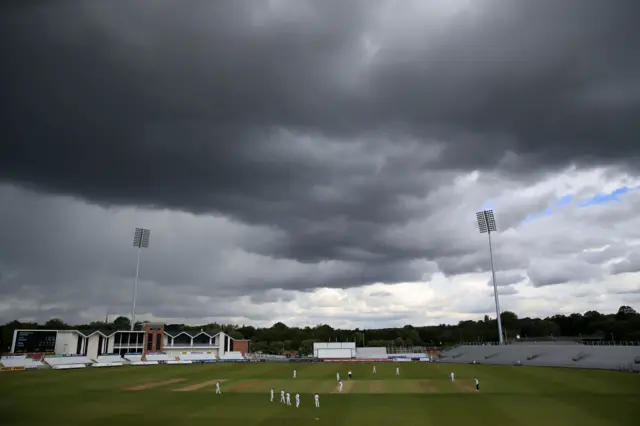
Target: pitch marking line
x,y
151,385
199,386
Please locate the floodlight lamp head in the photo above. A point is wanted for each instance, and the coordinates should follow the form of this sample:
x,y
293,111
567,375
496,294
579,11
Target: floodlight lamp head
x,y
141,238
486,221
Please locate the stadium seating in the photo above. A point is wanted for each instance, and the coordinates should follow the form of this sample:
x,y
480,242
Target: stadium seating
x,y
266,357
371,353
110,359
232,356
21,361
67,362
197,356
556,355
133,357
160,357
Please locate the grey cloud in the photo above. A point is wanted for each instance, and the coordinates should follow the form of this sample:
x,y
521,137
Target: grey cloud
x,y
381,294
504,279
634,291
598,257
271,296
507,291
478,261
332,167
552,272
630,264
165,83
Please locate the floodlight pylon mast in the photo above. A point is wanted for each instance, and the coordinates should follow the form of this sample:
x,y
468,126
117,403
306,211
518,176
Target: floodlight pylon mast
x,y
487,224
140,240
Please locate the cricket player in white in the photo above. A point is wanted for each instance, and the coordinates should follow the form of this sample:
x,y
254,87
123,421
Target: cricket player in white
x,y
271,394
218,387
288,398
282,400
374,369
337,377
340,386
397,371
294,373
477,385
297,400
317,398
453,377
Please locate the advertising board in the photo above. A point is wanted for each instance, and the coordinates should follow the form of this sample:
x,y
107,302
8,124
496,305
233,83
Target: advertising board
x,y
359,360
20,368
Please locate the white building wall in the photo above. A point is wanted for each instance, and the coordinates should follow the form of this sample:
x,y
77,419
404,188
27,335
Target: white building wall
x,y
178,352
222,344
92,348
66,342
110,343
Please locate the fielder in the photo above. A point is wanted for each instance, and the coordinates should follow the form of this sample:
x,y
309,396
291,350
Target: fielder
x,y
271,394
317,399
453,377
374,369
282,400
341,386
337,377
297,400
397,371
288,398
218,387
294,373
477,385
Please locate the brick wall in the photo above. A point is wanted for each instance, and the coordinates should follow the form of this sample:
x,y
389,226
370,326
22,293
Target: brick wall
x,y
155,335
241,346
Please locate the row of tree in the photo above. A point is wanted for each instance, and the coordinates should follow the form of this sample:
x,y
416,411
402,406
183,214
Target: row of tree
x,y
621,326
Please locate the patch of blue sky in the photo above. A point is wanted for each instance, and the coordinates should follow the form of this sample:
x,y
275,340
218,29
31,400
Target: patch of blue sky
x,y
607,198
597,199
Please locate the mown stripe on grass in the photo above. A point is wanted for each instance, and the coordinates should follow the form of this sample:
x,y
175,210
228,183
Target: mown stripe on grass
x,y
151,385
199,386
248,385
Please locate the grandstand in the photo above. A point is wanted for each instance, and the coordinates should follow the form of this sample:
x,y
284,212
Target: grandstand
x,y
553,355
25,362
153,343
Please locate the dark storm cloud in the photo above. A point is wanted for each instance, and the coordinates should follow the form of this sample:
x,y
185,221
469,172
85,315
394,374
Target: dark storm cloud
x,y
278,117
193,95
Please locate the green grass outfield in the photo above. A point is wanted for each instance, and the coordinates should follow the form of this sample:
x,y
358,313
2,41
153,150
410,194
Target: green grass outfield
x,y
184,395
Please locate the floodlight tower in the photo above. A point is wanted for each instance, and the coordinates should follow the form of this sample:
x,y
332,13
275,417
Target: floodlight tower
x,y
140,240
487,225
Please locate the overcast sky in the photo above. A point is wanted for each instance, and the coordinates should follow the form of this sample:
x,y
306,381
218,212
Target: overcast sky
x,y
318,161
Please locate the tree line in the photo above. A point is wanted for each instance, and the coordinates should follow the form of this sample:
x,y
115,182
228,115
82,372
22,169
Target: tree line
x,y
624,325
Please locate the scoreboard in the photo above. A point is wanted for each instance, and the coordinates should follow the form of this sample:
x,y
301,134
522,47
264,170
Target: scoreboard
x,y
35,341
